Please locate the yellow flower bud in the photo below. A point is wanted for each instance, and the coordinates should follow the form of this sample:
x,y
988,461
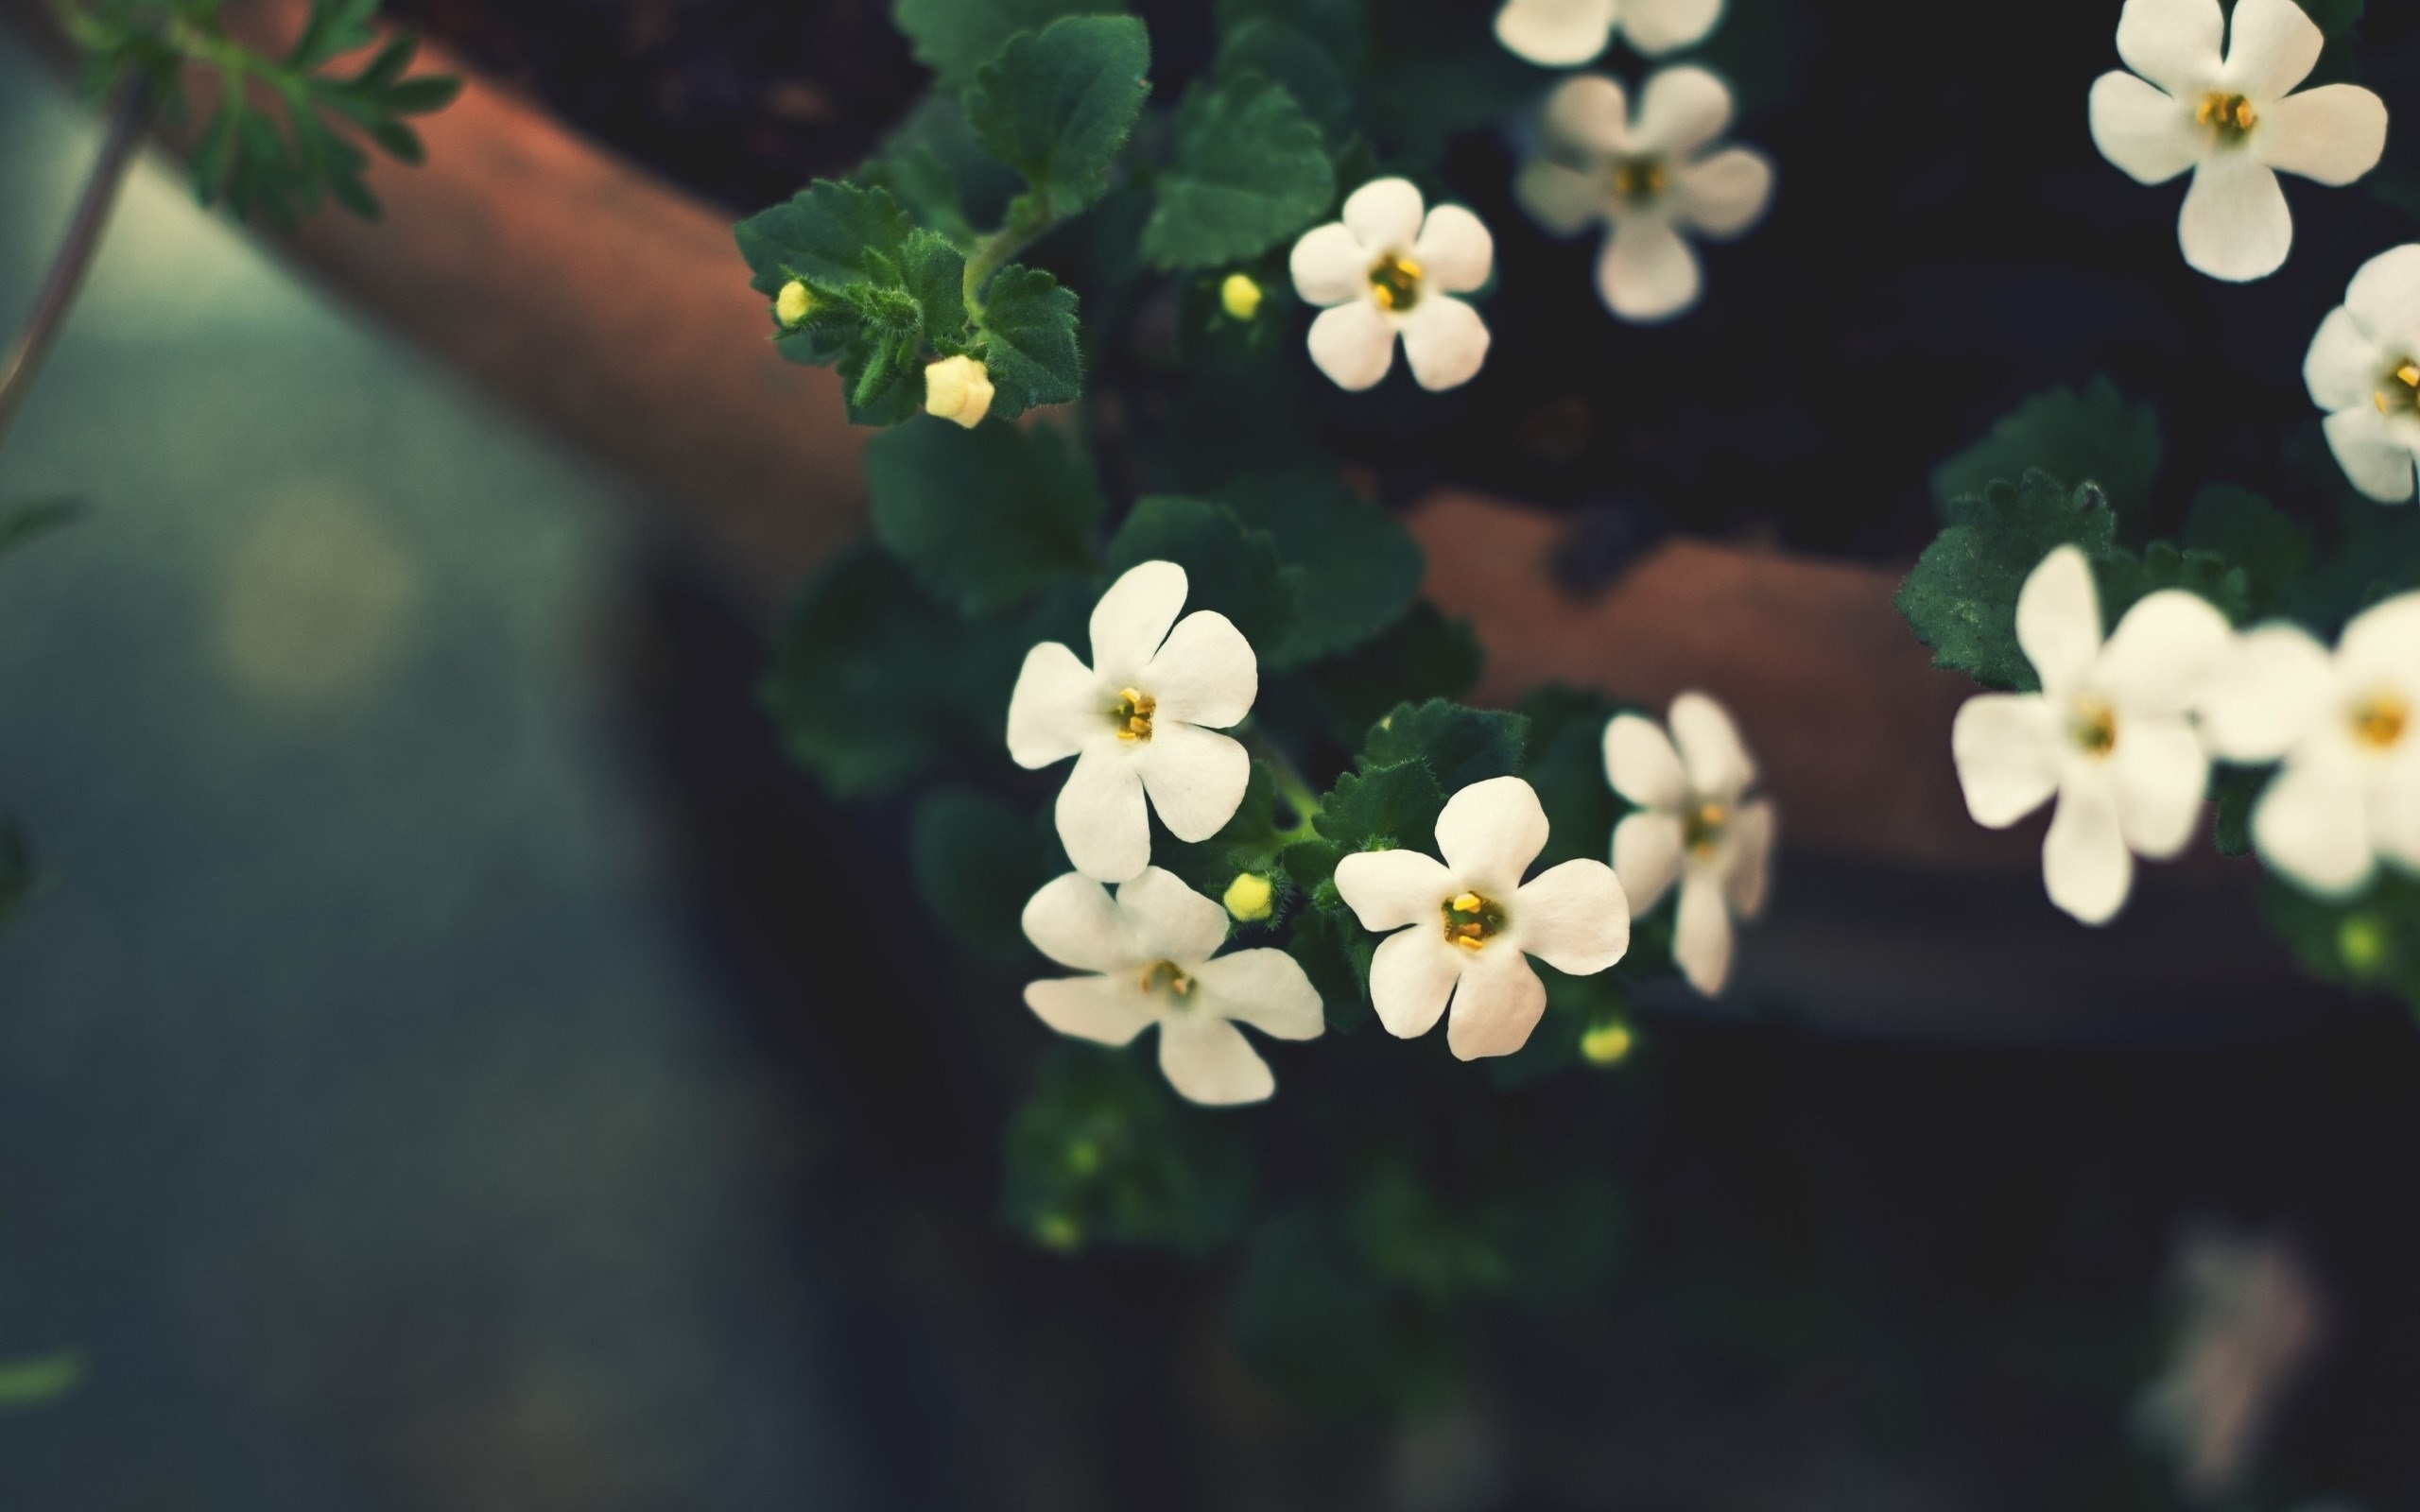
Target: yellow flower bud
x,y
1241,296
1608,1041
792,305
1249,898
958,388
2362,944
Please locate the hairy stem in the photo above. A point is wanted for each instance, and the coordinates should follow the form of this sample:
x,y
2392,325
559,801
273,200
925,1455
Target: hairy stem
x,y
1293,790
128,117
1026,225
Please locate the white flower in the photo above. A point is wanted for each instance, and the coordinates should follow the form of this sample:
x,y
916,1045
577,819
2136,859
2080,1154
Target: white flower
x,y
2363,369
2233,120
1649,178
2349,792
1464,927
1151,952
1387,268
1695,825
1141,719
1567,33
2110,732
2253,1316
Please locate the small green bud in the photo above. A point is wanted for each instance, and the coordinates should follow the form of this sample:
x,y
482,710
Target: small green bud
x,y
1240,296
1058,1231
792,305
2362,944
1608,1041
1083,1156
1251,898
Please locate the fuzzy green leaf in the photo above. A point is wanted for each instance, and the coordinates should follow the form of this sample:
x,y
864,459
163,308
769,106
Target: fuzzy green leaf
x,y
1421,656
954,38
1391,807
1461,745
1057,105
2088,435
1333,951
1565,762
1230,567
1028,341
1279,49
2247,530
1962,597
983,517
1251,171
828,235
933,272
1366,565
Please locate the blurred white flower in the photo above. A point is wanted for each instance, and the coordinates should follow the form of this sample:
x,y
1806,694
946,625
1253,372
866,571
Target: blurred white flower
x,y
1390,268
1151,951
2110,734
1143,718
2252,1317
2363,369
1695,825
1567,33
2234,119
1649,177
2348,793
1464,927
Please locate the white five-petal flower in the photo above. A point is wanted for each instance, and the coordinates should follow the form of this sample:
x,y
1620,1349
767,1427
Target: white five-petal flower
x,y
1143,718
2348,794
1464,927
2111,733
2363,369
1390,267
1695,825
2234,119
1649,177
1150,950
1567,33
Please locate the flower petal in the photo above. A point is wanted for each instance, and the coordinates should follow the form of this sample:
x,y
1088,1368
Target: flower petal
x,y
1388,889
1748,863
1265,988
1132,618
2334,134
1205,671
1445,342
2309,825
1573,917
2174,43
1589,111
1073,922
1168,920
1555,33
2266,692
2149,135
1490,832
2342,368
2271,46
1385,215
1101,815
1682,108
1330,266
1658,26
2085,861
2394,802
2382,642
1455,250
2373,449
2235,224
1056,707
1109,1011
1718,765
1701,934
2384,296
1723,193
1354,345
1411,976
1496,1005
1564,200
2161,656
1209,1061
2006,748
2159,773
1647,272
1196,778
1641,764
2058,618
1647,857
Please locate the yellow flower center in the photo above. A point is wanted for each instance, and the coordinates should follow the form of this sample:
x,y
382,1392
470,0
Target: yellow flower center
x,y
2093,727
1168,974
1471,920
2399,388
1638,179
1701,828
1394,281
1132,713
2380,720
2228,116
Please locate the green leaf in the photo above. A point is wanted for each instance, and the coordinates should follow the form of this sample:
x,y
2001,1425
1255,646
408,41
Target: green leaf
x,y
2369,941
954,38
1228,567
1333,951
1389,807
1364,565
2245,529
1421,656
2092,436
1565,762
1462,746
1102,1150
1056,104
1249,841
933,167
827,236
1251,171
1339,29
882,383
976,860
933,271
983,517
41,1379
1276,48
1028,341
1962,597
2123,579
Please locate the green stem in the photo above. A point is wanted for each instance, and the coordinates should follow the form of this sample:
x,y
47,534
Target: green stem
x,y
1296,792
1026,225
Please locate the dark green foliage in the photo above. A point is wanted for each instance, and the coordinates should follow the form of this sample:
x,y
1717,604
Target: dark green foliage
x,y
2233,789
829,237
1250,841
954,38
1384,808
1962,597
1366,566
1462,746
1057,105
1421,656
1230,568
1308,69
936,170
1313,1318
1251,171
1103,1151
977,859
983,517
1334,952
1565,762
2092,436
1027,341
2369,942
2239,526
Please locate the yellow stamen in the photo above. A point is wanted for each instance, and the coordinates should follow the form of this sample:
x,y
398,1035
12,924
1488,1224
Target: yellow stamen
x,y
1471,920
1167,974
1132,714
2380,720
2228,115
2093,729
1394,281
1639,179
1702,827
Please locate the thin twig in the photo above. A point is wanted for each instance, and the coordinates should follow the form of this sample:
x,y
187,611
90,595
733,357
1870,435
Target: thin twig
x,y
128,117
